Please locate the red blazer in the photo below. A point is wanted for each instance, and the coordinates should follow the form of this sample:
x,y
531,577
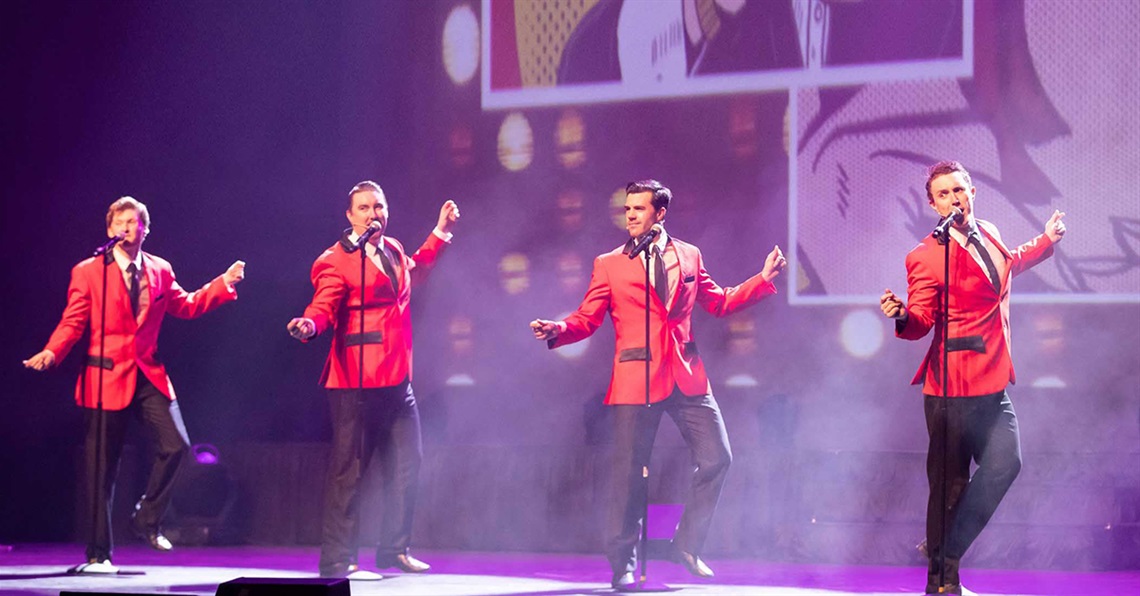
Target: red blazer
x,y
387,339
131,344
979,350
617,286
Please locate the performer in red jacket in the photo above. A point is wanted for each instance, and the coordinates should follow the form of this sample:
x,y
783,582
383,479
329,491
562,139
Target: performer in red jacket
x,y
678,383
380,413
977,421
122,361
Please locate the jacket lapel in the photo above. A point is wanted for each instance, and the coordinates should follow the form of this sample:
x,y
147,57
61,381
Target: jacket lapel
x,y
1006,255
153,281
397,262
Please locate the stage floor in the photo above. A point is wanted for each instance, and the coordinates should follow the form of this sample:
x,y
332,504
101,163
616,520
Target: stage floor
x,y
41,569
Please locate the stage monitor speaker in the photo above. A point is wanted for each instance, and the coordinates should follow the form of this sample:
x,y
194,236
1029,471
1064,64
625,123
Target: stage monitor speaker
x,y
285,586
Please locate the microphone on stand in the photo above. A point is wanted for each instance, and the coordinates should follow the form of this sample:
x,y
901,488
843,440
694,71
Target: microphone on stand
x,y
941,232
646,240
371,231
108,245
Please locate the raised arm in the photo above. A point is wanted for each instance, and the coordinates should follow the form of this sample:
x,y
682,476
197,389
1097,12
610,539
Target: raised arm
x,y
725,301
190,305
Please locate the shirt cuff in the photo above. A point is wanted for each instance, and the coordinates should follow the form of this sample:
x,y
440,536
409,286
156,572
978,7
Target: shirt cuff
x,y
445,236
900,324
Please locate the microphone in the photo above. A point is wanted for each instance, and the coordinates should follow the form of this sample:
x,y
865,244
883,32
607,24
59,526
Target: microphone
x,y
646,240
108,245
371,231
941,232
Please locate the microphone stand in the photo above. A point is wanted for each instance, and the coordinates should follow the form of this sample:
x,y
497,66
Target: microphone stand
x,y
360,353
359,246
98,483
643,585
944,240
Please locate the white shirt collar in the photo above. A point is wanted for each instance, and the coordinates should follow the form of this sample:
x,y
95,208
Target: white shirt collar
x,y
353,237
124,261
962,238
662,240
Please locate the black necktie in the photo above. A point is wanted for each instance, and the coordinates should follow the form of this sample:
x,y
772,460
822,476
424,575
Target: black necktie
x,y
976,241
661,283
134,289
389,270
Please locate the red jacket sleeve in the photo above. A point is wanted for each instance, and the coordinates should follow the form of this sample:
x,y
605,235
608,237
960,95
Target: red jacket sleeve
x,y
583,322
722,302
191,305
75,317
922,296
329,287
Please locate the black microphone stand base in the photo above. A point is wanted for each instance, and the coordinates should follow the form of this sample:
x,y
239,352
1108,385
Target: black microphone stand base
x,y
78,570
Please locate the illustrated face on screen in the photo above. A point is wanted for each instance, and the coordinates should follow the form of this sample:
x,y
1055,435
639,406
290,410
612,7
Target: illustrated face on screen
x,y
128,223
368,205
952,190
640,214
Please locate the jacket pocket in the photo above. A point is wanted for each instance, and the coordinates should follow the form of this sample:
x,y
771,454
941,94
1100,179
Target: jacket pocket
x,y
632,354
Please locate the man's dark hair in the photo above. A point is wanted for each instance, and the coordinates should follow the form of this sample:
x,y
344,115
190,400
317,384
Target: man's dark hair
x,y
661,195
941,169
365,186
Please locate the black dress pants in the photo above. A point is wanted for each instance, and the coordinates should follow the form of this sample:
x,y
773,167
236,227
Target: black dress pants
x,y
383,422
103,446
964,429
635,428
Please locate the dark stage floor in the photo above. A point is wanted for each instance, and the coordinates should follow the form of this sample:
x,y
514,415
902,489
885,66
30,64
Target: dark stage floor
x,y
40,569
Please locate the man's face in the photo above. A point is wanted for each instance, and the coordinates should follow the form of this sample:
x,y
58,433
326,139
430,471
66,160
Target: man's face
x,y
368,206
640,214
952,190
128,223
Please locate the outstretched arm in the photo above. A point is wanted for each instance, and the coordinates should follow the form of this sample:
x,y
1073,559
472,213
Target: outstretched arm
x,y
301,328
448,217
893,306
44,360
546,330
190,305
72,325
774,263
721,302
583,322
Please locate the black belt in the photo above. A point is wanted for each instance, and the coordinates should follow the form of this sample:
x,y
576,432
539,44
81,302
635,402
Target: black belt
x,y
972,343
642,354
100,362
369,337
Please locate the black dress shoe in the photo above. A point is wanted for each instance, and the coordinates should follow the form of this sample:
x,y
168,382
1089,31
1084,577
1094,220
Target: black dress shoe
x,y
152,536
404,562
694,564
623,581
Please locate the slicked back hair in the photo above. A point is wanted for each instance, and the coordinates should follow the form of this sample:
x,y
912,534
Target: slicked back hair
x,y
365,186
662,196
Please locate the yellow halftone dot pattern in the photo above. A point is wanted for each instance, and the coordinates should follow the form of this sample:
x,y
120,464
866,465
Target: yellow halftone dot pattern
x,y
541,29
